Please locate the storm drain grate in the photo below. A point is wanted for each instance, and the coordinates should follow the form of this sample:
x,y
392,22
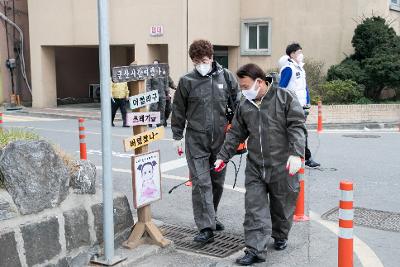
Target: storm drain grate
x,y
362,135
377,219
224,245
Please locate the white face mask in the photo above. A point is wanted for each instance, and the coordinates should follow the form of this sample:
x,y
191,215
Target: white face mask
x,y
203,68
251,93
300,58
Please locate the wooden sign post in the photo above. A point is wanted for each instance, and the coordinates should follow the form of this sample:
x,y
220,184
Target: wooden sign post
x,y
145,231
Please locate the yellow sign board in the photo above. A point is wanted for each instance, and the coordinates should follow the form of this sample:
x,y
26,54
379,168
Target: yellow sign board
x,y
143,139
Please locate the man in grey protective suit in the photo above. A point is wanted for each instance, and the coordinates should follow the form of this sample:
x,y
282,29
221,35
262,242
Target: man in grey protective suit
x,y
200,103
162,85
273,121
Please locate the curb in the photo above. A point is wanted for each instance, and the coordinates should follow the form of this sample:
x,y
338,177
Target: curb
x,y
311,126
357,126
58,115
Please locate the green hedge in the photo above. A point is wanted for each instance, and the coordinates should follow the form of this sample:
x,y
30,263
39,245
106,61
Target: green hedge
x,y
339,92
376,61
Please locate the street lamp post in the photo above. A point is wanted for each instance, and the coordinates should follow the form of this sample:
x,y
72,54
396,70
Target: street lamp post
x,y
104,59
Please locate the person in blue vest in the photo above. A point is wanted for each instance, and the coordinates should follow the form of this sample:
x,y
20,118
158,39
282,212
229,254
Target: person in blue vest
x,y
293,77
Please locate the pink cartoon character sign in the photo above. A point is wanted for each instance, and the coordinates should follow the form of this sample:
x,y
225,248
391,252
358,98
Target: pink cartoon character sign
x,y
147,178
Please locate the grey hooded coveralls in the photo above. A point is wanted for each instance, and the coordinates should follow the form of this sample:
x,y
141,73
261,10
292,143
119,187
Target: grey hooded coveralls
x,y
200,101
275,129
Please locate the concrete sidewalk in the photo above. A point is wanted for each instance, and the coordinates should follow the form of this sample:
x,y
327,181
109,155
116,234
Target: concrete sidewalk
x,y
374,116
310,244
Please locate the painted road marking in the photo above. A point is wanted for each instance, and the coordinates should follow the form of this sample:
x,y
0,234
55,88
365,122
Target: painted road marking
x,y
341,131
113,153
166,166
365,254
12,118
76,131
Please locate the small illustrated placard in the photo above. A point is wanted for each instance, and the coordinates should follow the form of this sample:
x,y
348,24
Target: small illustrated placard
x,y
146,178
144,99
142,118
139,72
143,139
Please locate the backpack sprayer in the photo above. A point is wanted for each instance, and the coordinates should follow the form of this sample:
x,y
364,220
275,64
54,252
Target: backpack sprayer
x,y
234,184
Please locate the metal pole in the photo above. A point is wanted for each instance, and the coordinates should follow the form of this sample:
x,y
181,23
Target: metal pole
x,y
104,55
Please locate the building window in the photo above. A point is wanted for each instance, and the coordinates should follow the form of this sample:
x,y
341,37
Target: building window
x,y
395,5
256,37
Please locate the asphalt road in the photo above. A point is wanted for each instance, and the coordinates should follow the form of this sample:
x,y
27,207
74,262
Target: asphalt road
x,y
368,158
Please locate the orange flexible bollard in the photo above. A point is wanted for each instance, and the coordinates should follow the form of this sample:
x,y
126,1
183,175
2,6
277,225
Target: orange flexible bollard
x,y
82,143
299,215
346,215
319,127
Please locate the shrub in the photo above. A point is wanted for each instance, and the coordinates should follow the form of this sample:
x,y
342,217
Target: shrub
x,y
370,35
314,75
376,61
9,135
348,69
363,100
383,70
340,92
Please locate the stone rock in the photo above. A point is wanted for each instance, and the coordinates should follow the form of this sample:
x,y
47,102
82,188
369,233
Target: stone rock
x,y
387,93
122,217
83,178
7,207
41,241
76,228
34,175
9,253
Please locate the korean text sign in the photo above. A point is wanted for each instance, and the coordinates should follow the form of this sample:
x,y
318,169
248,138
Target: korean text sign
x,y
143,139
142,118
139,72
144,99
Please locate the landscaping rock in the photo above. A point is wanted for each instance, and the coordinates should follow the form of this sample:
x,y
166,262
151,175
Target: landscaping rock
x,y
34,175
83,178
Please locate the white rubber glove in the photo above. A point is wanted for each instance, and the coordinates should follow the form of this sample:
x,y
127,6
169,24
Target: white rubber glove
x,y
293,164
219,165
178,144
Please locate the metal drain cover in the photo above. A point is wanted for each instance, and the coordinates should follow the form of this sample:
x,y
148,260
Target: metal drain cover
x,y
224,245
377,219
362,135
